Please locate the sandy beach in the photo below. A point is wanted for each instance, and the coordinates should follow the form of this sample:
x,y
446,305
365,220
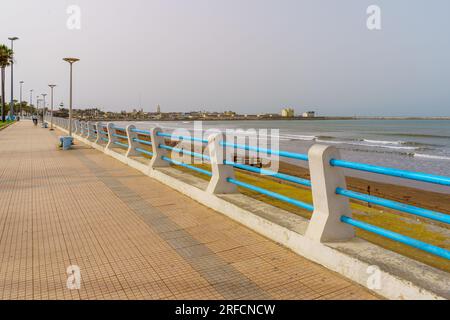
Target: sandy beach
x,y
409,195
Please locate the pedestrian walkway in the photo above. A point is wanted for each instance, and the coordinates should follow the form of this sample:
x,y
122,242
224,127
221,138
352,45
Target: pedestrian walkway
x,y
130,236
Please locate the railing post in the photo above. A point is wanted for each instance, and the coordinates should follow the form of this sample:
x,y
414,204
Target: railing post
x,y
85,129
325,224
91,130
132,145
158,153
77,126
99,127
81,128
220,172
111,138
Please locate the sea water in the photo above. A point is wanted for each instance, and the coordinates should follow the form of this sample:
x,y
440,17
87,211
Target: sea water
x,y
417,145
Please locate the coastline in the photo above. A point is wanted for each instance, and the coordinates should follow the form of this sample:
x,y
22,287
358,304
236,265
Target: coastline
x,y
242,118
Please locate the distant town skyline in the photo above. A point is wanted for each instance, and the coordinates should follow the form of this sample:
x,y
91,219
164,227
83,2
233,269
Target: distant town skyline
x,y
250,56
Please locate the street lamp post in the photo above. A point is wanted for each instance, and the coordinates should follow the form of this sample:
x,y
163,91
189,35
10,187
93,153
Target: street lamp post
x,y
43,108
20,108
11,106
71,61
38,102
51,115
31,99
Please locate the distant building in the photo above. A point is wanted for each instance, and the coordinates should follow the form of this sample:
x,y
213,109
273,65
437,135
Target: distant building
x,y
158,109
288,113
309,114
268,115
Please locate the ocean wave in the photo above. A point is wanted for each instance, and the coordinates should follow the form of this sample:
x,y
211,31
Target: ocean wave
x,y
430,156
418,135
298,137
372,144
384,142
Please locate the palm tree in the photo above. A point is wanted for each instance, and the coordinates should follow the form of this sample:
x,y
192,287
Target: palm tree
x,y
6,57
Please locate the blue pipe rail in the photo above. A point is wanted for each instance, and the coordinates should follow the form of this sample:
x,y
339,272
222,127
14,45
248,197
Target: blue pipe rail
x,y
104,139
270,173
272,194
418,176
187,152
144,151
280,153
443,253
425,213
148,143
175,137
181,164
121,144
119,128
119,136
142,132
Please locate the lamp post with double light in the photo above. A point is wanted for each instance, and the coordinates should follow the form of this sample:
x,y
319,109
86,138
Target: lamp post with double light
x,y
71,61
52,86
20,107
11,106
31,101
43,108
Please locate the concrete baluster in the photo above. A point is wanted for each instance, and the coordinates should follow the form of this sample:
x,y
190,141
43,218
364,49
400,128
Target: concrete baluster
x,y
91,130
325,224
158,153
111,131
220,172
77,127
99,129
132,145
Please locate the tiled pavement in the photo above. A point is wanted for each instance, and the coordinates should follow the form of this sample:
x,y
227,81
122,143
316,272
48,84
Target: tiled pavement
x,y
131,236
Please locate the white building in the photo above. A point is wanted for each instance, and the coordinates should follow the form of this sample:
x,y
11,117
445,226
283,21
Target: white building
x,y
287,113
309,114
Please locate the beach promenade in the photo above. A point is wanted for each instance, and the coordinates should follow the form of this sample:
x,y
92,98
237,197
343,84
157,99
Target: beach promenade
x,y
131,236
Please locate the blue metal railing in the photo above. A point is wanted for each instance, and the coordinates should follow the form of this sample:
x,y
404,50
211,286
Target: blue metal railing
x,y
176,137
143,132
121,144
272,194
187,152
421,212
270,173
119,128
425,213
181,164
144,151
119,136
280,153
397,237
148,143
418,176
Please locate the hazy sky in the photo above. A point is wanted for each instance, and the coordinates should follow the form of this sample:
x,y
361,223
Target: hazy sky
x,y
251,56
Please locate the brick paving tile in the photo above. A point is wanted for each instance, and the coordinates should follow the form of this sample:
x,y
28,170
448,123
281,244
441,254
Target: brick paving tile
x,y
130,236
